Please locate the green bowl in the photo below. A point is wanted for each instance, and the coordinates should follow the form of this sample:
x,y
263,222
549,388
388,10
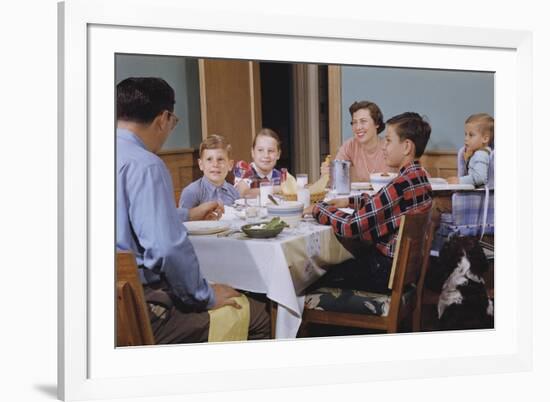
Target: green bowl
x,y
261,233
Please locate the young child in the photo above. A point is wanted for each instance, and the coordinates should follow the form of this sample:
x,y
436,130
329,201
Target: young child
x,y
215,162
478,139
266,151
376,218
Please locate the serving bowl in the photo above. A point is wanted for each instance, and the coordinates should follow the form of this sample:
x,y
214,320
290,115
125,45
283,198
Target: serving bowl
x,y
253,230
379,180
289,211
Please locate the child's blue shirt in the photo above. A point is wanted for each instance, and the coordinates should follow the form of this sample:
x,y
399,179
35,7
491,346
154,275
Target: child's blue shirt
x,y
202,190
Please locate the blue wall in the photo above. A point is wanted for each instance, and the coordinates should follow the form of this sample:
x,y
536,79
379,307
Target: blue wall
x,y
182,74
445,97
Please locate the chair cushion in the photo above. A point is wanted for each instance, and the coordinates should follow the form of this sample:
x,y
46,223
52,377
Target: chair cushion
x,y
354,301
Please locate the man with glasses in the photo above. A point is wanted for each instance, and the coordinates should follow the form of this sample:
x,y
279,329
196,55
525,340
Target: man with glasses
x,y
149,225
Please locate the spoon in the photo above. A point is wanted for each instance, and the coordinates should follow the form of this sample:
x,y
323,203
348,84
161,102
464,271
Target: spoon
x,y
273,200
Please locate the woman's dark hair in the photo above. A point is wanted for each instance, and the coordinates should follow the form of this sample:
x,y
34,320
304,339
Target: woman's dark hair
x,y
140,100
374,110
411,126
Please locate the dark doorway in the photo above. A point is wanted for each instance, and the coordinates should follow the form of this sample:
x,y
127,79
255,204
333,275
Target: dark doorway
x,y
277,104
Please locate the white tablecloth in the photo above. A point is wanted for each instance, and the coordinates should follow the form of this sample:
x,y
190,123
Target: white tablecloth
x,y
280,267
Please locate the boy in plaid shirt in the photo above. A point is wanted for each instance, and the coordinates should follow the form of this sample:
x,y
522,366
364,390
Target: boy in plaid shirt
x,y
375,221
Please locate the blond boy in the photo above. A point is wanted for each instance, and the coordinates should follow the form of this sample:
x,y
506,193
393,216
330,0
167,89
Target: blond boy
x,y
478,137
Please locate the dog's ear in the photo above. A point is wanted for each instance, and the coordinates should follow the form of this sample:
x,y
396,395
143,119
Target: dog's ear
x,y
451,252
449,256
479,264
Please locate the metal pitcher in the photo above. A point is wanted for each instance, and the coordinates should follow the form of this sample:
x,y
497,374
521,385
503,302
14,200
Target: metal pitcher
x,y
340,176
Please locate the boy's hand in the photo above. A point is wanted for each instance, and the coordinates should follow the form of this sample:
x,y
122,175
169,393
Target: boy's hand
x,y
468,154
339,202
452,180
224,294
308,210
211,210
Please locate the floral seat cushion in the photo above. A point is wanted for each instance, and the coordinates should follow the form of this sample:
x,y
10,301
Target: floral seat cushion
x,y
353,301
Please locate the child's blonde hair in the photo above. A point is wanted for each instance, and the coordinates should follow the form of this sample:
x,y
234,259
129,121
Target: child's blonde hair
x,y
215,141
485,122
267,132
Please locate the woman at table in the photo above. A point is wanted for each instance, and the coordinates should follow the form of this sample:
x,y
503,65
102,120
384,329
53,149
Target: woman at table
x,y
364,149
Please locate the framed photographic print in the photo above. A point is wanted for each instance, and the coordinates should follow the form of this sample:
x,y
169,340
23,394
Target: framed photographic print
x,y
94,33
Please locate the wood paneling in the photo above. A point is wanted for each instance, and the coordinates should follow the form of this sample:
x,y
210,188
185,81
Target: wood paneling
x,y
183,167
231,102
334,109
440,163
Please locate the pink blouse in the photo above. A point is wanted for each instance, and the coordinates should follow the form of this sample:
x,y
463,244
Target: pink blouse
x,y
361,163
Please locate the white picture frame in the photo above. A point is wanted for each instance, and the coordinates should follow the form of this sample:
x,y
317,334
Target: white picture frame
x,y
91,32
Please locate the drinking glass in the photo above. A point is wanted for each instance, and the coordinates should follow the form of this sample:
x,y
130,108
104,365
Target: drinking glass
x,y
266,188
301,179
252,208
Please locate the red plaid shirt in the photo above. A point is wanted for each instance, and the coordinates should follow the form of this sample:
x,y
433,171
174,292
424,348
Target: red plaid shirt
x,y
377,217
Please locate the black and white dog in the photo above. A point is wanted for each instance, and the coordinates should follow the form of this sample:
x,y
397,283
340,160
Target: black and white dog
x,y
464,302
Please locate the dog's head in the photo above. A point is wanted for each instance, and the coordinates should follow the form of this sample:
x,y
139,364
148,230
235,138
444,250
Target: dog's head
x,y
456,248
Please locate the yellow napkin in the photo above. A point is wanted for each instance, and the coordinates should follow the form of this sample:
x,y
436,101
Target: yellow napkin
x,y
289,186
229,323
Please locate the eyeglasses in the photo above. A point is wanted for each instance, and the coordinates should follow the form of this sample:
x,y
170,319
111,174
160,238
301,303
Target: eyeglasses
x,y
176,119
362,122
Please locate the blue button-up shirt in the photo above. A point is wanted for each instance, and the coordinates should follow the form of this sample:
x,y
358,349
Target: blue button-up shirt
x,y
148,224
202,190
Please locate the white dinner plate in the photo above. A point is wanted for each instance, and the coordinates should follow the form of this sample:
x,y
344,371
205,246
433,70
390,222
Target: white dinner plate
x,y
361,185
205,227
451,187
437,180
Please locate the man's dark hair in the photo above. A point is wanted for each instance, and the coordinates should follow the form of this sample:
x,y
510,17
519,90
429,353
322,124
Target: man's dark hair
x,y
140,100
411,126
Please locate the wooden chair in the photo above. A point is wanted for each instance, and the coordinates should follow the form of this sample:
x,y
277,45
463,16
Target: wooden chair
x,y
133,326
412,248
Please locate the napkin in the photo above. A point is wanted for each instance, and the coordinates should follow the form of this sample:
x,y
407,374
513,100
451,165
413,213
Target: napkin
x,y
229,323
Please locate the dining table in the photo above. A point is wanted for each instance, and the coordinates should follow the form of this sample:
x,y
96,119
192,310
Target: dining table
x,y
281,267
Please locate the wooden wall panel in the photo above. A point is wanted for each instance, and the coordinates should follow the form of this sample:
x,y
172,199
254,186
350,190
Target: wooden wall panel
x,y
183,167
440,163
231,102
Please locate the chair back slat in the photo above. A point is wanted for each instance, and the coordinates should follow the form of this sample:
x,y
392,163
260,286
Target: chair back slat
x,y
408,261
133,326
414,260
411,239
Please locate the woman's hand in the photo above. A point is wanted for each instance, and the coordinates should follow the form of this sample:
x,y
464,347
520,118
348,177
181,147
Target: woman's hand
x,y
325,169
325,166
